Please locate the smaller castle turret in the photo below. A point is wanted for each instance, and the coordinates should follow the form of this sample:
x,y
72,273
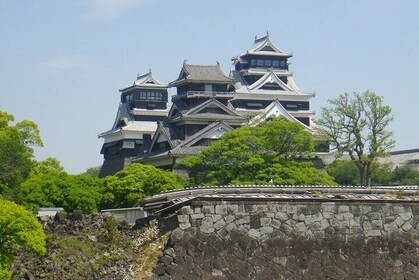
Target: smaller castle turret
x,y
142,105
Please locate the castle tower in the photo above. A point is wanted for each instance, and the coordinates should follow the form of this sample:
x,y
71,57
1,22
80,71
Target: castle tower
x,y
142,105
262,77
199,115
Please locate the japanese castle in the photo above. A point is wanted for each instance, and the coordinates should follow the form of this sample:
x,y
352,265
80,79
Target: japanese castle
x,y
206,105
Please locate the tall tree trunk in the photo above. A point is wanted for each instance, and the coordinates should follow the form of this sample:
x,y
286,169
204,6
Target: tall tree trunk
x,y
362,176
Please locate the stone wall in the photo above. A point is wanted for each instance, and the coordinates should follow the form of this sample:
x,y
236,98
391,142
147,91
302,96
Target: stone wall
x,y
292,240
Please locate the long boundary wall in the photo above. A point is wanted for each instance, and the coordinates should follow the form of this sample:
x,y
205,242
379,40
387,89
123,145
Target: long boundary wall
x,y
230,237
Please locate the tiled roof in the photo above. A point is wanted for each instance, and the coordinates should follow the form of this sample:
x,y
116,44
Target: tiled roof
x,y
171,200
181,105
170,131
213,117
192,139
187,150
145,81
202,74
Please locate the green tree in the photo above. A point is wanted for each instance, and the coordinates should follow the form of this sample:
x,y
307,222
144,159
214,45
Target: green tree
x,y
128,187
92,171
344,172
49,164
53,188
16,153
19,229
357,125
404,176
262,154
382,175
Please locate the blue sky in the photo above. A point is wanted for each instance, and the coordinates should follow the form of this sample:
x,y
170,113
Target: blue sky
x,y
62,62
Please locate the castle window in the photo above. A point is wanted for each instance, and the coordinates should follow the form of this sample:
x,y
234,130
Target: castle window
x,y
253,62
275,63
268,63
260,63
128,145
292,106
282,64
150,95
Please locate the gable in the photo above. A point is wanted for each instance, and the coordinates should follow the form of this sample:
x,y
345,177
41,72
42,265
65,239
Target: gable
x,y
213,110
271,86
275,109
174,113
270,82
161,138
212,106
207,135
267,48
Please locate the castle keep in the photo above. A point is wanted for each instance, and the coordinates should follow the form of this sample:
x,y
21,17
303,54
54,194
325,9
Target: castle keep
x,y
207,104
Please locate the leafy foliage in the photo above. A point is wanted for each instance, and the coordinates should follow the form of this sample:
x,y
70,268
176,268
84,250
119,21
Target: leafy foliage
x,y
16,153
49,164
345,172
19,229
405,176
129,186
262,154
53,188
357,125
92,171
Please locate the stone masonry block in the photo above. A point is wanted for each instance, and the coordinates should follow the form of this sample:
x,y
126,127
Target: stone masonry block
x,y
186,210
184,225
206,229
265,221
406,216
300,227
254,233
207,221
183,218
244,220
281,216
407,226
291,209
229,218
373,232
197,216
299,217
216,217
210,209
266,230
219,224
343,209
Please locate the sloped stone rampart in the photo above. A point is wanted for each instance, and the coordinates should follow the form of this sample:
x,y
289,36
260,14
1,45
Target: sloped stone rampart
x,y
291,240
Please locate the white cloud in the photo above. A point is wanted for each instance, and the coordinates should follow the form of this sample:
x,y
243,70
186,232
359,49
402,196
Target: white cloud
x,y
109,9
64,63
